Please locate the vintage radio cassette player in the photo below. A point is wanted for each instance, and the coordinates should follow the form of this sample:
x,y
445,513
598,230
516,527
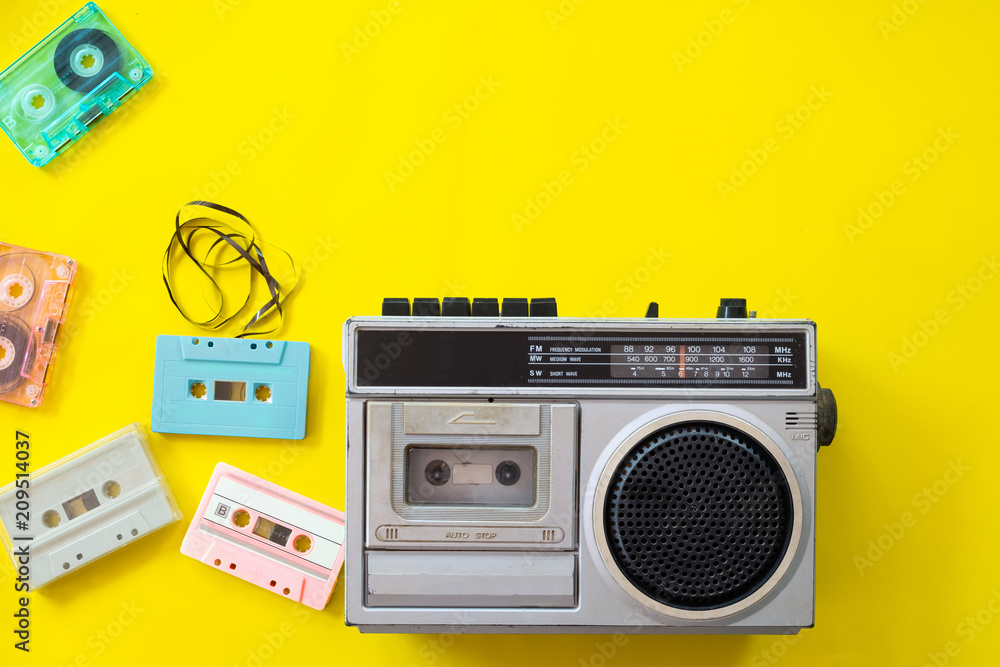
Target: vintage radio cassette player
x,y
511,471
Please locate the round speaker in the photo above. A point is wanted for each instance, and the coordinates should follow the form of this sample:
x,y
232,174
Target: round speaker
x,y
697,515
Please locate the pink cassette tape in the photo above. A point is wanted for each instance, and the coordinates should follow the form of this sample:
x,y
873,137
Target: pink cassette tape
x,y
267,535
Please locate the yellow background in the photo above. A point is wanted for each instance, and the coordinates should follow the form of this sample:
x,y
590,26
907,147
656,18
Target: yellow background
x,y
330,122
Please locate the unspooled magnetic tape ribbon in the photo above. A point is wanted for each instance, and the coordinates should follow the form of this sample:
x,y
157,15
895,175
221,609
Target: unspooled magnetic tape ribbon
x,y
226,229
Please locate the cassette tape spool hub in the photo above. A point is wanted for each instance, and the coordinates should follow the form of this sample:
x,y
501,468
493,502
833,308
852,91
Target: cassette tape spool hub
x,y
511,471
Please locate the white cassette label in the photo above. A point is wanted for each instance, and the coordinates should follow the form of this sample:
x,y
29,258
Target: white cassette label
x,y
275,523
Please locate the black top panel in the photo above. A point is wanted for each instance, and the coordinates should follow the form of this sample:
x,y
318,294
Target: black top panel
x,y
520,357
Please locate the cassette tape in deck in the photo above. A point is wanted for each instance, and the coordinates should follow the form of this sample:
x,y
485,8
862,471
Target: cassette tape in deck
x,y
78,74
84,506
34,293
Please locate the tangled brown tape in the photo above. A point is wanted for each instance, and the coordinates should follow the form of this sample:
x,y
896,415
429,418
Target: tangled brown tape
x,y
225,240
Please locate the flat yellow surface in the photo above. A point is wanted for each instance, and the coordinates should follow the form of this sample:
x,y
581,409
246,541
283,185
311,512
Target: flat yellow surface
x,y
832,161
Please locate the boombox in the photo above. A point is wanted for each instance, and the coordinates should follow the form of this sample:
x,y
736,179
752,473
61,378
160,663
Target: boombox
x,y
512,471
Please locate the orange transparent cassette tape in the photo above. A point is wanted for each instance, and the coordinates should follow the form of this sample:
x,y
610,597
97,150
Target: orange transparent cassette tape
x,y
34,294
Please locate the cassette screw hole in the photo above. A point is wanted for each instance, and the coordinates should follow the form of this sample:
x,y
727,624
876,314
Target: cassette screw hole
x,y
218,562
241,518
211,344
286,591
135,532
198,390
51,518
303,544
263,393
119,537
65,566
79,556
112,489
273,583
253,346
232,566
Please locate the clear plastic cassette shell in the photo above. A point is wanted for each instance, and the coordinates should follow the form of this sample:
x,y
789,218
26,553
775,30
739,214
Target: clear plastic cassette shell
x,y
84,506
34,294
55,93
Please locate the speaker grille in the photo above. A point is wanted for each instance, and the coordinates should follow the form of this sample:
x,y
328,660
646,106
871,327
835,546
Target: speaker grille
x,y
698,515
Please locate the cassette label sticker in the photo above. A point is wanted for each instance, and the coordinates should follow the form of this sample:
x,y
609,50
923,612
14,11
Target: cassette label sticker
x,y
267,535
230,386
34,294
81,72
89,504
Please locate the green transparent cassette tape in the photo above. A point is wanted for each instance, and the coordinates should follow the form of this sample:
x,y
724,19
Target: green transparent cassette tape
x,y
55,93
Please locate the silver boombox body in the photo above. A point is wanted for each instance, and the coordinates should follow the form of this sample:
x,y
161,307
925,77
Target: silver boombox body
x,y
582,476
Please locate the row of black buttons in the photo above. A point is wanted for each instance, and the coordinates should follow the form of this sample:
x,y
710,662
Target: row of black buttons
x,y
460,307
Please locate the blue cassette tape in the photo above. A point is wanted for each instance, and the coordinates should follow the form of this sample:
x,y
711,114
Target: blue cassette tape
x,y
230,386
80,73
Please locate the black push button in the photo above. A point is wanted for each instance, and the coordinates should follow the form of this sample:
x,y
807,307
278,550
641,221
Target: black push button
x,y
426,308
514,308
395,307
454,306
543,307
485,308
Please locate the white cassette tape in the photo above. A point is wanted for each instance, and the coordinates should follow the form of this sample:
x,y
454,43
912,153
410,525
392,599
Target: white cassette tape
x,y
84,506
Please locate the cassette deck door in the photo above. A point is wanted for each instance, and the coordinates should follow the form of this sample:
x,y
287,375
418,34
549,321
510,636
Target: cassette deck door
x,y
460,475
